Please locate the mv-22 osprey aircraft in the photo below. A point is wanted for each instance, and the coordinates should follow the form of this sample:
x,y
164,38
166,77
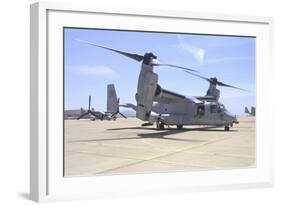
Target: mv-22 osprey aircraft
x,y
112,107
163,107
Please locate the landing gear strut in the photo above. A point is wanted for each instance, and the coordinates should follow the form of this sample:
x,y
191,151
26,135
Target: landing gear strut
x,y
226,128
179,126
160,125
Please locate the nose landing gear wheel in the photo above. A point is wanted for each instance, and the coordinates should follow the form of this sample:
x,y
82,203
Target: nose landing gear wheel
x,y
226,128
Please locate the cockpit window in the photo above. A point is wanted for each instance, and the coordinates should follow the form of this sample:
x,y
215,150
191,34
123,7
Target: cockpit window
x,y
221,108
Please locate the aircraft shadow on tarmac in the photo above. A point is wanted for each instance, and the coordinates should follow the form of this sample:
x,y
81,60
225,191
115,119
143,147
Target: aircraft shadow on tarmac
x,y
208,129
140,136
159,135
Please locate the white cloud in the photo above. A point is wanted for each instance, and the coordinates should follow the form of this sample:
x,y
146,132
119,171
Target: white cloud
x,y
98,71
198,53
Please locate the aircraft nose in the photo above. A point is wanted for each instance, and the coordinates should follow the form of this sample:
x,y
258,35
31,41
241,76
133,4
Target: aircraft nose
x,y
231,118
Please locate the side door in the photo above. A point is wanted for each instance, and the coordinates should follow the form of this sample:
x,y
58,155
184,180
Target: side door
x,y
199,114
215,114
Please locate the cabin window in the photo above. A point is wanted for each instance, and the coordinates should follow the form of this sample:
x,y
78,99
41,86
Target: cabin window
x,y
214,108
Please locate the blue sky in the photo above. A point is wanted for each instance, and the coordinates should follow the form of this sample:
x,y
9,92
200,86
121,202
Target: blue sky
x,y
89,69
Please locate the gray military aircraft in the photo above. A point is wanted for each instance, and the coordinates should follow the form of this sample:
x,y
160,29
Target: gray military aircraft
x,y
112,107
163,107
92,114
253,111
113,103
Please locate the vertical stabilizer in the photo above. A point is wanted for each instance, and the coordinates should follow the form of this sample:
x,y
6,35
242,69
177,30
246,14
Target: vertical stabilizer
x,y
246,110
253,111
112,101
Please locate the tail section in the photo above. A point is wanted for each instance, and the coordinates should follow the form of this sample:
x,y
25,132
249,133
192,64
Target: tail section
x,y
253,111
112,101
246,110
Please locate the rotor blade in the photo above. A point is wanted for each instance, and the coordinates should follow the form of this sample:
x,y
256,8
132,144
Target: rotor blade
x,y
82,115
217,83
230,86
122,115
204,78
174,66
133,56
89,105
115,113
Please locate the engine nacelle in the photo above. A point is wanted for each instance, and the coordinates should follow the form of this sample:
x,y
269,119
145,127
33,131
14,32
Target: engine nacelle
x,y
147,85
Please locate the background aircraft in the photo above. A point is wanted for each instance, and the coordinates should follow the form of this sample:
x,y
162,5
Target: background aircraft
x,y
253,111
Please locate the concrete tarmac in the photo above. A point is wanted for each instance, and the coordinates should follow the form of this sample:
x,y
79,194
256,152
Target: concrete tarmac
x,y
124,147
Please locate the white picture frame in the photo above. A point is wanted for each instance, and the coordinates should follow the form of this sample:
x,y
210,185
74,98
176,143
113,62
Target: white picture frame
x,y
46,179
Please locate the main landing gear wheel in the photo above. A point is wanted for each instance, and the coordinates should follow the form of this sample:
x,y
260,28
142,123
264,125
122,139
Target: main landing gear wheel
x,y
179,126
226,128
161,126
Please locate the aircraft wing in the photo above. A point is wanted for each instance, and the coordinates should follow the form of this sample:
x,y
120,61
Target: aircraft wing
x,y
206,98
166,96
